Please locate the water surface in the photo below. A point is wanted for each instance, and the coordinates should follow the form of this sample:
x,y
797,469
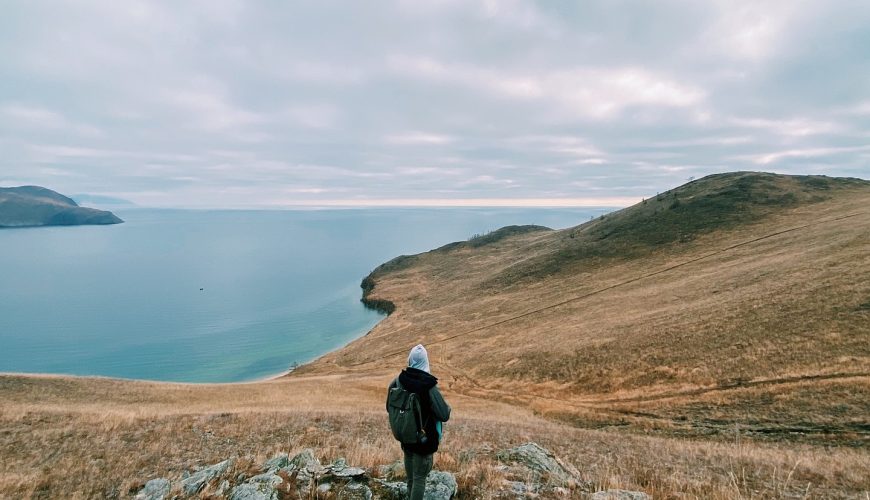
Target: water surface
x,y
211,296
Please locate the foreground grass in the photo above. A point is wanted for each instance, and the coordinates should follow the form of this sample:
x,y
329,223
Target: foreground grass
x,y
69,447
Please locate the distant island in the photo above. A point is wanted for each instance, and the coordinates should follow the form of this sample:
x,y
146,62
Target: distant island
x,y
28,206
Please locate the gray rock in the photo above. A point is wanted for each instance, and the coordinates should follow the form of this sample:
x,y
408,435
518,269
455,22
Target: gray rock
x,y
393,471
354,491
542,463
278,461
440,486
305,460
268,478
196,481
349,473
155,489
254,491
620,495
390,490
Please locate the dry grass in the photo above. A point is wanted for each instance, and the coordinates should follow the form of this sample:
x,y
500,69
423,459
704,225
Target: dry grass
x,y
85,453
695,370
770,335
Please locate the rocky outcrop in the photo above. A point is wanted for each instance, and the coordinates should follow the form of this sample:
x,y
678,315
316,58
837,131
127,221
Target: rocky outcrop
x,y
196,481
542,466
528,471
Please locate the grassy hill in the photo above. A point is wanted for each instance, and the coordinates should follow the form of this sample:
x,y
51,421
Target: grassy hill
x,y
37,206
711,342
737,299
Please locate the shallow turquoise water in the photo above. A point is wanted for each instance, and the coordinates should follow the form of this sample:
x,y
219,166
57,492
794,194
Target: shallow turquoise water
x,y
278,287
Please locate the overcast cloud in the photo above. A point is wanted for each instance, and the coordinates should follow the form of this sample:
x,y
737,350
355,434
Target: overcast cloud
x,y
240,103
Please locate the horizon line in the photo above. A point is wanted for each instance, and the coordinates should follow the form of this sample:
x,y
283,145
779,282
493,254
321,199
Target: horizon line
x,y
464,202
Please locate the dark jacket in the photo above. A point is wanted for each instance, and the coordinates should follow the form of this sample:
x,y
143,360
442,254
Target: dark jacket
x,y
432,406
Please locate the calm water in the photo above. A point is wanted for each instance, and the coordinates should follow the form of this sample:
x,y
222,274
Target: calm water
x,y
211,296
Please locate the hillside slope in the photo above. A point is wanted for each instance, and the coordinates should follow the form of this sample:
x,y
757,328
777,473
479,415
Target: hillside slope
x,y
737,299
745,329
37,206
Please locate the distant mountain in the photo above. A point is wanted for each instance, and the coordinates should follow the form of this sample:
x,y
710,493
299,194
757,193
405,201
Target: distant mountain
x,y
98,200
37,206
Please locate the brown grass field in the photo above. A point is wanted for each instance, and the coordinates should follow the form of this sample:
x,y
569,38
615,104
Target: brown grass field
x,y
713,342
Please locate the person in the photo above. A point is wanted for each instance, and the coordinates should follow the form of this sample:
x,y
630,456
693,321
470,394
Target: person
x,y
434,411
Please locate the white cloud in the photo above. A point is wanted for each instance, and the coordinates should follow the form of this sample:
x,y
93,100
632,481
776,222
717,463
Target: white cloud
x,y
417,138
790,127
41,118
589,92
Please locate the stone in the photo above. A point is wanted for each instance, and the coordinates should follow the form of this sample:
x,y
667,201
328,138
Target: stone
x,y
390,490
268,477
440,486
197,481
305,460
393,471
620,495
354,491
254,491
543,463
277,462
356,473
155,489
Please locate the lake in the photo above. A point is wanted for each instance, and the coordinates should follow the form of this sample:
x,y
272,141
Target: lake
x,y
212,296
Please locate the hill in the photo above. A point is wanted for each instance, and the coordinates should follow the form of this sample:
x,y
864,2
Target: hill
x,y
739,299
37,206
710,342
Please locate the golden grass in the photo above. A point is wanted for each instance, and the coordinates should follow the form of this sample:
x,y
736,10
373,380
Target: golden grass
x,y
771,334
738,373
85,453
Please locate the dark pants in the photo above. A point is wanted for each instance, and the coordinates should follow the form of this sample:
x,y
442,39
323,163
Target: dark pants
x,y
417,467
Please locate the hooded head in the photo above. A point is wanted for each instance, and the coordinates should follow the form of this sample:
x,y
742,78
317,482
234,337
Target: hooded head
x,y
419,358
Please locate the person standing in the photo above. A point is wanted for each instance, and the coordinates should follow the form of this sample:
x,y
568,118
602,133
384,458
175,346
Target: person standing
x,y
433,412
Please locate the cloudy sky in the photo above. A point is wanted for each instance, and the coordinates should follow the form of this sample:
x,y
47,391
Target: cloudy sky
x,y
225,103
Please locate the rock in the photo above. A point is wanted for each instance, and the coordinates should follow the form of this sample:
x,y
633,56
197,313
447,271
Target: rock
x,y
393,471
620,495
254,491
196,481
390,490
355,473
269,478
354,491
305,460
539,460
154,489
440,486
278,461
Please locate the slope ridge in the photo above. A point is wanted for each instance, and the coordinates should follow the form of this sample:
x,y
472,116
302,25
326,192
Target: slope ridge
x,y
775,294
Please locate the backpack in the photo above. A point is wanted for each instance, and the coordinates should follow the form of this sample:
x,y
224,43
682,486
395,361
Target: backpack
x,y
403,409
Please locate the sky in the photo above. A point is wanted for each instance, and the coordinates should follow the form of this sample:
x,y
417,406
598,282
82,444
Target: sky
x,y
241,104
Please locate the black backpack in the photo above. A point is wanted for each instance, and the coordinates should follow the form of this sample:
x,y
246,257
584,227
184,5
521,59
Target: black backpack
x,y
403,408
